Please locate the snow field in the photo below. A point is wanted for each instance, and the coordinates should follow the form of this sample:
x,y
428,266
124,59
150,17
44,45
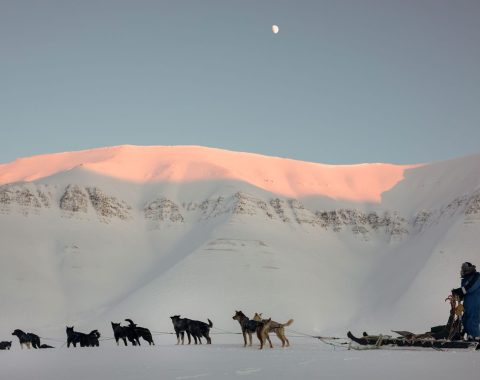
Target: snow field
x,y
305,360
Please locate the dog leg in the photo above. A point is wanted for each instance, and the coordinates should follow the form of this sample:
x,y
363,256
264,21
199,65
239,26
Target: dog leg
x,y
207,337
260,338
269,341
244,333
281,337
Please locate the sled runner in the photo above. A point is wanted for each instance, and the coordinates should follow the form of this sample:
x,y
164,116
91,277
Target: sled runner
x,y
377,341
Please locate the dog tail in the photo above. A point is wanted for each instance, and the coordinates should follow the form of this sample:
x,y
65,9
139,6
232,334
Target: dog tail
x,y
290,321
131,322
210,323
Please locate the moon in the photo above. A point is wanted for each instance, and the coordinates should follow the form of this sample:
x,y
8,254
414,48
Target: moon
x,y
275,29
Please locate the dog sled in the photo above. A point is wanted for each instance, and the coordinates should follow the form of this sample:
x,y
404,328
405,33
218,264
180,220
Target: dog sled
x,y
382,341
449,336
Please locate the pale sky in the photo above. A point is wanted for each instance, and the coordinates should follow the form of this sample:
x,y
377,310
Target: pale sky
x,y
344,81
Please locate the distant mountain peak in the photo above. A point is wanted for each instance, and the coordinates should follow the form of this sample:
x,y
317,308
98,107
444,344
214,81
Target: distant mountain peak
x,y
145,164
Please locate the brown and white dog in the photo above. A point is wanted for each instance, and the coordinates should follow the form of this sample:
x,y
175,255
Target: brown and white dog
x,y
270,326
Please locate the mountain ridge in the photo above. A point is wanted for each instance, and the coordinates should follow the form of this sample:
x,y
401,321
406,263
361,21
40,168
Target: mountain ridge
x,y
80,247
183,163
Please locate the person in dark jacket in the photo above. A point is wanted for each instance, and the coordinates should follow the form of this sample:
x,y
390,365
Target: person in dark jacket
x,y
470,293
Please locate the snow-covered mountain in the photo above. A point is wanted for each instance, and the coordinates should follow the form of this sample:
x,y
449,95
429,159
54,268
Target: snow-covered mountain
x,y
148,232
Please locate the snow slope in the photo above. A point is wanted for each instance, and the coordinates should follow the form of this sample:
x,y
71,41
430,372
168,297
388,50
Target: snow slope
x,y
147,232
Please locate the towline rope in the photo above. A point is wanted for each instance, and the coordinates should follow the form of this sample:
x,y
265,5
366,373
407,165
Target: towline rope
x,y
225,332
52,339
219,331
162,333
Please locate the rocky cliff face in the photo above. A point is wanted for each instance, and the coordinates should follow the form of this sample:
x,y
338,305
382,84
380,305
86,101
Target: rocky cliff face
x,y
76,201
25,199
107,206
468,205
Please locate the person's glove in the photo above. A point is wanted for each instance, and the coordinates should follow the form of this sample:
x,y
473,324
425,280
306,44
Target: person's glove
x,y
458,292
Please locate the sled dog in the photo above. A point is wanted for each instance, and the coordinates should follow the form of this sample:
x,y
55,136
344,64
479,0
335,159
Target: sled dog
x,y
270,326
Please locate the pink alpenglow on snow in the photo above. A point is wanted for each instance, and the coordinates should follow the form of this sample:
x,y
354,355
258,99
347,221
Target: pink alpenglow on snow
x,y
142,164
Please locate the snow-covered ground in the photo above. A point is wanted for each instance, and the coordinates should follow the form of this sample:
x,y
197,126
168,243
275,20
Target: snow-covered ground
x,y
304,360
149,232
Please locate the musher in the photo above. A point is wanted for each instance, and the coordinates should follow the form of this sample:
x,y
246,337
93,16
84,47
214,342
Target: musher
x,y
470,293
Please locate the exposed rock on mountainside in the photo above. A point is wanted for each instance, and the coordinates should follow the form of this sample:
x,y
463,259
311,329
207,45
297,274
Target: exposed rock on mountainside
x,y
245,204
468,205
209,208
473,204
108,207
163,210
361,223
279,207
25,199
75,199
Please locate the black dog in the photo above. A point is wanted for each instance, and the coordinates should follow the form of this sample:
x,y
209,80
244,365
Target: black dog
x,y
5,345
28,339
199,329
124,333
93,337
120,332
85,340
134,333
181,326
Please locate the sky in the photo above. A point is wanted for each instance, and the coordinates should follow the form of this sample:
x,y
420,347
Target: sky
x,y
344,81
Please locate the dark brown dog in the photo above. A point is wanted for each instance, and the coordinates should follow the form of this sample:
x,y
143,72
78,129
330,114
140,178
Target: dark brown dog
x,y
249,326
